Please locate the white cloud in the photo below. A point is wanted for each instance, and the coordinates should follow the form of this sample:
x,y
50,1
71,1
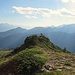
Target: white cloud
x,y
68,1
12,11
70,6
30,17
44,12
65,1
67,13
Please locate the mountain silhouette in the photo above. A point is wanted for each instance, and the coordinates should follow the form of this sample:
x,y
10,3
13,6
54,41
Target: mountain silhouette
x,y
62,36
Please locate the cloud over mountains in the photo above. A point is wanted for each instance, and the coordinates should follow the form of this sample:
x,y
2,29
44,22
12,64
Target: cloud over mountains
x,y
30,12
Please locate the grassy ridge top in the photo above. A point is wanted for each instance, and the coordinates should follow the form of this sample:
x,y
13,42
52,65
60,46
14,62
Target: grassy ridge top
x,y
37,56
40,41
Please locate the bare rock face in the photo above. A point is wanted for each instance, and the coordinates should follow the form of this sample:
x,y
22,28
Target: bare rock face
x,y
48,67
60,62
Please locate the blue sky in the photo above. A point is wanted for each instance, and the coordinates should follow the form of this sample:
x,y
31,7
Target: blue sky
x,y
32,13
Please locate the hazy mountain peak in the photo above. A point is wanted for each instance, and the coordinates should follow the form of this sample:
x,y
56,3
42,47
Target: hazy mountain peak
x,y
5,27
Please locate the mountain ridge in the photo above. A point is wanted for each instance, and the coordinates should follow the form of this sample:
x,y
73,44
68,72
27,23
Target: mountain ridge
x,y
62,39
35,57
5,27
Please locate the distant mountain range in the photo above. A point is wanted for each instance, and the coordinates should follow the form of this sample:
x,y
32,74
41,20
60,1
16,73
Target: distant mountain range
x,y
63,36
5,27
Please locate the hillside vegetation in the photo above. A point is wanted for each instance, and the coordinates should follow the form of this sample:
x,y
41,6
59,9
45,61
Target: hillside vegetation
x,y
37,56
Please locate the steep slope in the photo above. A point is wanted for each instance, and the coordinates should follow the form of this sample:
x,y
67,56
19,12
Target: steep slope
x,y
37,56
63,40
40,41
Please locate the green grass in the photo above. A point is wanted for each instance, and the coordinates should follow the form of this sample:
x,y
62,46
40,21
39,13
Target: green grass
x,y
56,73
29,58
49,73
4,53
25,62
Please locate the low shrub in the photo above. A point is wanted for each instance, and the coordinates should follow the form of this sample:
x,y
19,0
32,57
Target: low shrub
x,y
30,61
